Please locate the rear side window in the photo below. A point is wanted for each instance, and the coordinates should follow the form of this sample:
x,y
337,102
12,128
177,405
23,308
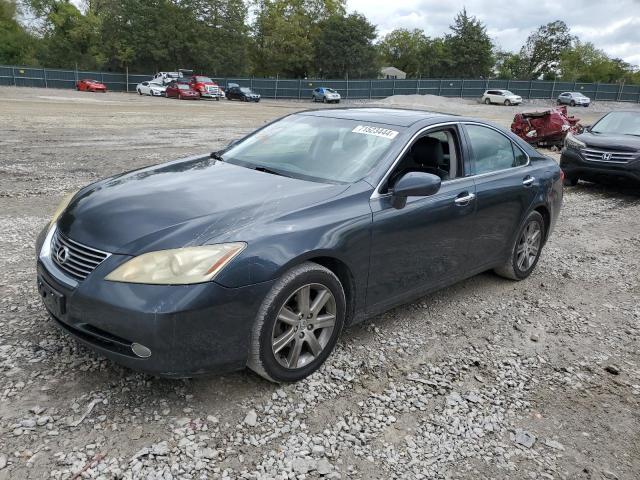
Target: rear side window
x,y
493,151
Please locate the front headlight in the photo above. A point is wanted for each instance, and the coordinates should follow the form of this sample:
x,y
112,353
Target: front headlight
x,y
180,266
62,206
570,141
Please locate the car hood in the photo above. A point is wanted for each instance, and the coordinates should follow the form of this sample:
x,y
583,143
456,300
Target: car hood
x,y
610,141
187,202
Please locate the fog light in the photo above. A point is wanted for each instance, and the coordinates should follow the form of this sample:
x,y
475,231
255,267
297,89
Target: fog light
x,y
140,350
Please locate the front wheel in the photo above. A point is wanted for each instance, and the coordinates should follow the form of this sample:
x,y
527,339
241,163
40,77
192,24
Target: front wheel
x,y
487,101
526,251
298,324
324,99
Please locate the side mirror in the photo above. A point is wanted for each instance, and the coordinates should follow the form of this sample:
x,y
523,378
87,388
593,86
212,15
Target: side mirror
x,y
414,184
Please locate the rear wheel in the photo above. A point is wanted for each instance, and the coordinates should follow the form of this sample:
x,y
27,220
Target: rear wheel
x,y
487,101
324,99
298,324
139,92
572,103
507,103
526,250
558,102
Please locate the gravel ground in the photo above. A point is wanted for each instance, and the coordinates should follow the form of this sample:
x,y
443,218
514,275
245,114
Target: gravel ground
x,y
486,379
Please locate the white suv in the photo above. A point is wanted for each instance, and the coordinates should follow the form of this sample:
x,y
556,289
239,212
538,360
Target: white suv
x,y
503,97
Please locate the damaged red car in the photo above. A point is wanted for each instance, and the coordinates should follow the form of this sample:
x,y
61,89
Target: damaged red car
x,y
545,128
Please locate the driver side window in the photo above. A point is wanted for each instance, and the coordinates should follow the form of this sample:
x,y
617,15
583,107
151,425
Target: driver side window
x,y
436,152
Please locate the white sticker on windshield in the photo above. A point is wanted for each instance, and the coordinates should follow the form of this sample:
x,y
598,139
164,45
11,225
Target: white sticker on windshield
x,y
377,131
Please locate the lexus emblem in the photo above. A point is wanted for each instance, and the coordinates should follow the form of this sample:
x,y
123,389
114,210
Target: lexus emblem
x,y
606,156
62,254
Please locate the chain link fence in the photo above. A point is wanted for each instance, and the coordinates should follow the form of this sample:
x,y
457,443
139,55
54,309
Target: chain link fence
x,y
349,89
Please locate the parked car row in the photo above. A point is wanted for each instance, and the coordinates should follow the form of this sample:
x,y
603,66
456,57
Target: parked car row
x,y
507,98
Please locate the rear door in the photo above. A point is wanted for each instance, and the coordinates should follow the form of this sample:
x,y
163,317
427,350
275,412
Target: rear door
x,y
506,186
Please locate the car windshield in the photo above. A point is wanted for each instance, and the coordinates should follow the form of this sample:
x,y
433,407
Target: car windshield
x,y
315,148
183,86
246,90
507,92
623,123
577,94
204,79
330,90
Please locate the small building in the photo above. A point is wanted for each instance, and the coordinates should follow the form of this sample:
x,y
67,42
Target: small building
x,y
392,73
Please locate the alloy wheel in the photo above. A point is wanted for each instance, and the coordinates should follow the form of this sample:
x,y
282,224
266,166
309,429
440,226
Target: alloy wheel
x,y
304,326
528,246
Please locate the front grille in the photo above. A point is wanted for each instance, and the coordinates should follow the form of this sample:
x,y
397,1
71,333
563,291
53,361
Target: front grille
x,y
74,258
608,156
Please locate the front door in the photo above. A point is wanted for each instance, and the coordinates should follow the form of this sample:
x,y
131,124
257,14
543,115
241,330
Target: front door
x,y
425,244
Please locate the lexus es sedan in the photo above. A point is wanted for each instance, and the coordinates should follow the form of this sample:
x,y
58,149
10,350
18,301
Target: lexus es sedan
x,y
609,149
259,255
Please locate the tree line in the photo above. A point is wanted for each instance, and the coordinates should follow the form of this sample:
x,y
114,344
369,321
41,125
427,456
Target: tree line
x,y
289,38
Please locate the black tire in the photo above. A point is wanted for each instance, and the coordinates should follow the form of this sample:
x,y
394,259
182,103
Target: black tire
x,y
139,92
487,101
511,269
324,99
572,103
570,181
507,103
262,359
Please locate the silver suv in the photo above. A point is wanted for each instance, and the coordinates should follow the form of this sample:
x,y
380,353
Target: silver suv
x,y
573,99
325,95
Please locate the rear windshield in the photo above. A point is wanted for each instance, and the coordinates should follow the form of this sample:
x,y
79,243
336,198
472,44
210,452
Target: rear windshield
x,y
315,148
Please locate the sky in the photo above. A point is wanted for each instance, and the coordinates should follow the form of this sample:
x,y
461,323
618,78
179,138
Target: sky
x,y
611,25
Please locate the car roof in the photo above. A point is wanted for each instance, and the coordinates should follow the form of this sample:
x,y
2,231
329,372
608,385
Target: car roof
x,y
391,116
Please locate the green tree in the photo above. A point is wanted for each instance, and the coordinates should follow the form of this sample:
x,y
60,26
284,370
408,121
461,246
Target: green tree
x,y
69,37
585,63
469,48
284,32
510,66
406,50
544,48
17,46
344,47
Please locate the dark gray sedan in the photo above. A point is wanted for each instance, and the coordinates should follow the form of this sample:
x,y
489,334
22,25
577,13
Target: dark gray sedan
x,y
261,254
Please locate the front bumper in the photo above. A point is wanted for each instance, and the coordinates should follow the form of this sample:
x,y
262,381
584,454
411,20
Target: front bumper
x,y
574,165
190,329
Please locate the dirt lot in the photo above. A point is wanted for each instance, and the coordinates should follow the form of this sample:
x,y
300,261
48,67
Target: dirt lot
x,y
487,379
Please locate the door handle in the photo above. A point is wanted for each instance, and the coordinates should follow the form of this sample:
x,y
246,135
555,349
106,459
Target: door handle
x,y
528,181
465,199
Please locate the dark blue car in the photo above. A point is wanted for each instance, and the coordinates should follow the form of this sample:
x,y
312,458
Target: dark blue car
x,y
261,254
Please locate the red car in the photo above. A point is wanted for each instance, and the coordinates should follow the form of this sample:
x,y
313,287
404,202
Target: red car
x,y
545,128
89,85
205,86
181,91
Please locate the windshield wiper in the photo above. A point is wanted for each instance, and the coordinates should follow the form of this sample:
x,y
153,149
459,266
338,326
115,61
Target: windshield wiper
x,y
268,170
